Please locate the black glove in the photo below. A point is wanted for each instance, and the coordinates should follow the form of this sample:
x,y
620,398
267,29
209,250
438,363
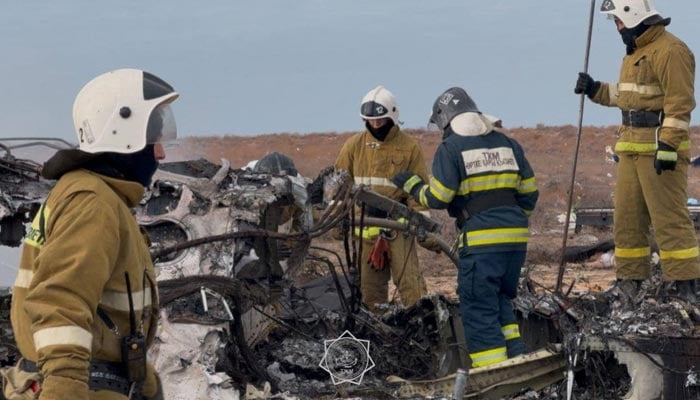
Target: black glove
x,y
665,158
315,189
586,84
408,181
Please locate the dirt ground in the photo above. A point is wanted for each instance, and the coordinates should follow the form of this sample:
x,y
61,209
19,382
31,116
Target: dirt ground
x,y
550,151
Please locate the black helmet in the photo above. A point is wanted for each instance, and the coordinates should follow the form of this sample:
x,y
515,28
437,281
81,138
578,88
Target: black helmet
x,y
275,163
449,104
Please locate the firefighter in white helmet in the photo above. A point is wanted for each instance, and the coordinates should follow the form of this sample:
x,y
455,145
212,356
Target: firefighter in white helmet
x,y
372,158
85,267
655,92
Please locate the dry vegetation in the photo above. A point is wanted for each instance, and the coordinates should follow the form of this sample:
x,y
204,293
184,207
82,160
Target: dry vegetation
x,y
549,149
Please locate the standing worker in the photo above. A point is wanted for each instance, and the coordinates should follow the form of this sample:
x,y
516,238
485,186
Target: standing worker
x,y
656,95
372,158
85,302
484,180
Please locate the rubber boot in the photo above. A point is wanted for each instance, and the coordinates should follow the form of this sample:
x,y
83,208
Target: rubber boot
x,y
685,290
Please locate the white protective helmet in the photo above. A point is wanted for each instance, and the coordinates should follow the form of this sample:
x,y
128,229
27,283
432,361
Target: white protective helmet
x,y
630,12
122,111
379,103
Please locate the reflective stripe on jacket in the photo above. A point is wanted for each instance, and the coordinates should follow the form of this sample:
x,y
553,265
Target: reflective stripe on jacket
x,y
74,260
373,163
466,167
658,76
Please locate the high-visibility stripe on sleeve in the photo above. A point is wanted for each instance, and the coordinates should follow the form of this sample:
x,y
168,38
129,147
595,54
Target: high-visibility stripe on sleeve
x,y
527,185
510,331
373,181
440,191
422,198
63,335
638,252
488,357
24,278
411,183
641,89
613,93
120,301
684,254
676,123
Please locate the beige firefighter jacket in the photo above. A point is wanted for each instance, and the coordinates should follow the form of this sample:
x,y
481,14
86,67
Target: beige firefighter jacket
x,y
81,242
373,163
658,76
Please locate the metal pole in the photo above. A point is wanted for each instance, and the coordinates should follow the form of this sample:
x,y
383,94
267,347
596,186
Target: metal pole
x,y
562,263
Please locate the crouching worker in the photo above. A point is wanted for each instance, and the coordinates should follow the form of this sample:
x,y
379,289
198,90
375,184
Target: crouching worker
x,y
484,180
372,158
85,303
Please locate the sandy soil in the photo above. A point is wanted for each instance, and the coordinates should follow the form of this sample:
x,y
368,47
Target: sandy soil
x,y
551,153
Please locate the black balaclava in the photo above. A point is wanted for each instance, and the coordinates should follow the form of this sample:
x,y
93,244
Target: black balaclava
x,y
380,134
629,36
137,167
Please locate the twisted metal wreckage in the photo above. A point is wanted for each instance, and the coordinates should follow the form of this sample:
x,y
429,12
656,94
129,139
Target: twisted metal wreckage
x,y
241,318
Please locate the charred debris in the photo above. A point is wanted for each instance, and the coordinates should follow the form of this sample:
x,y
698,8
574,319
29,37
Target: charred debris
x,y
249,294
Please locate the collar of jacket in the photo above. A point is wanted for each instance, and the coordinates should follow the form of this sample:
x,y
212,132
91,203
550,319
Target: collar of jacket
x,y
130,192
471,124
650,35
389,137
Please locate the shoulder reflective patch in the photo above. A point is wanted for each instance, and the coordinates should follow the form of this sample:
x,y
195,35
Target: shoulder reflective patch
x,y
24,278
36,236
489,160
62,335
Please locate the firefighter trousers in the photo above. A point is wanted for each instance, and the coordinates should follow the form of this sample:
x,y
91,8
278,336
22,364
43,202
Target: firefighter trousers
x,y
486,284
403,269
644,199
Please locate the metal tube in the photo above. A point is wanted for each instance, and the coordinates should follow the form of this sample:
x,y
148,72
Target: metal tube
x,y
562,263
460,384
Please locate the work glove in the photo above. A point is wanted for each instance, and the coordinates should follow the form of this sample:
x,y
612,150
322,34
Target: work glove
x,y
665,158
380,255
408,181
586,84
430,243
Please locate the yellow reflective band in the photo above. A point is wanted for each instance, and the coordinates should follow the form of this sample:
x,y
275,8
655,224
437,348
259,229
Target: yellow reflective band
x,y
613,93
632,253
368,233
120,301
641,89
373,181
63,335
488,357
36,234
497,236
646,147
488,182
676,123
666,155
440,191
422,199
527,185
411,183
511,331
24,278
685,254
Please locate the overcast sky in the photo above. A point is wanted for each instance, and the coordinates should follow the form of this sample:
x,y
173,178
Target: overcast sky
x,y
263,66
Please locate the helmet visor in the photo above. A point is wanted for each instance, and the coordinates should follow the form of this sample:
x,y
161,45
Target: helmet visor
x,y
161,125
373,110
